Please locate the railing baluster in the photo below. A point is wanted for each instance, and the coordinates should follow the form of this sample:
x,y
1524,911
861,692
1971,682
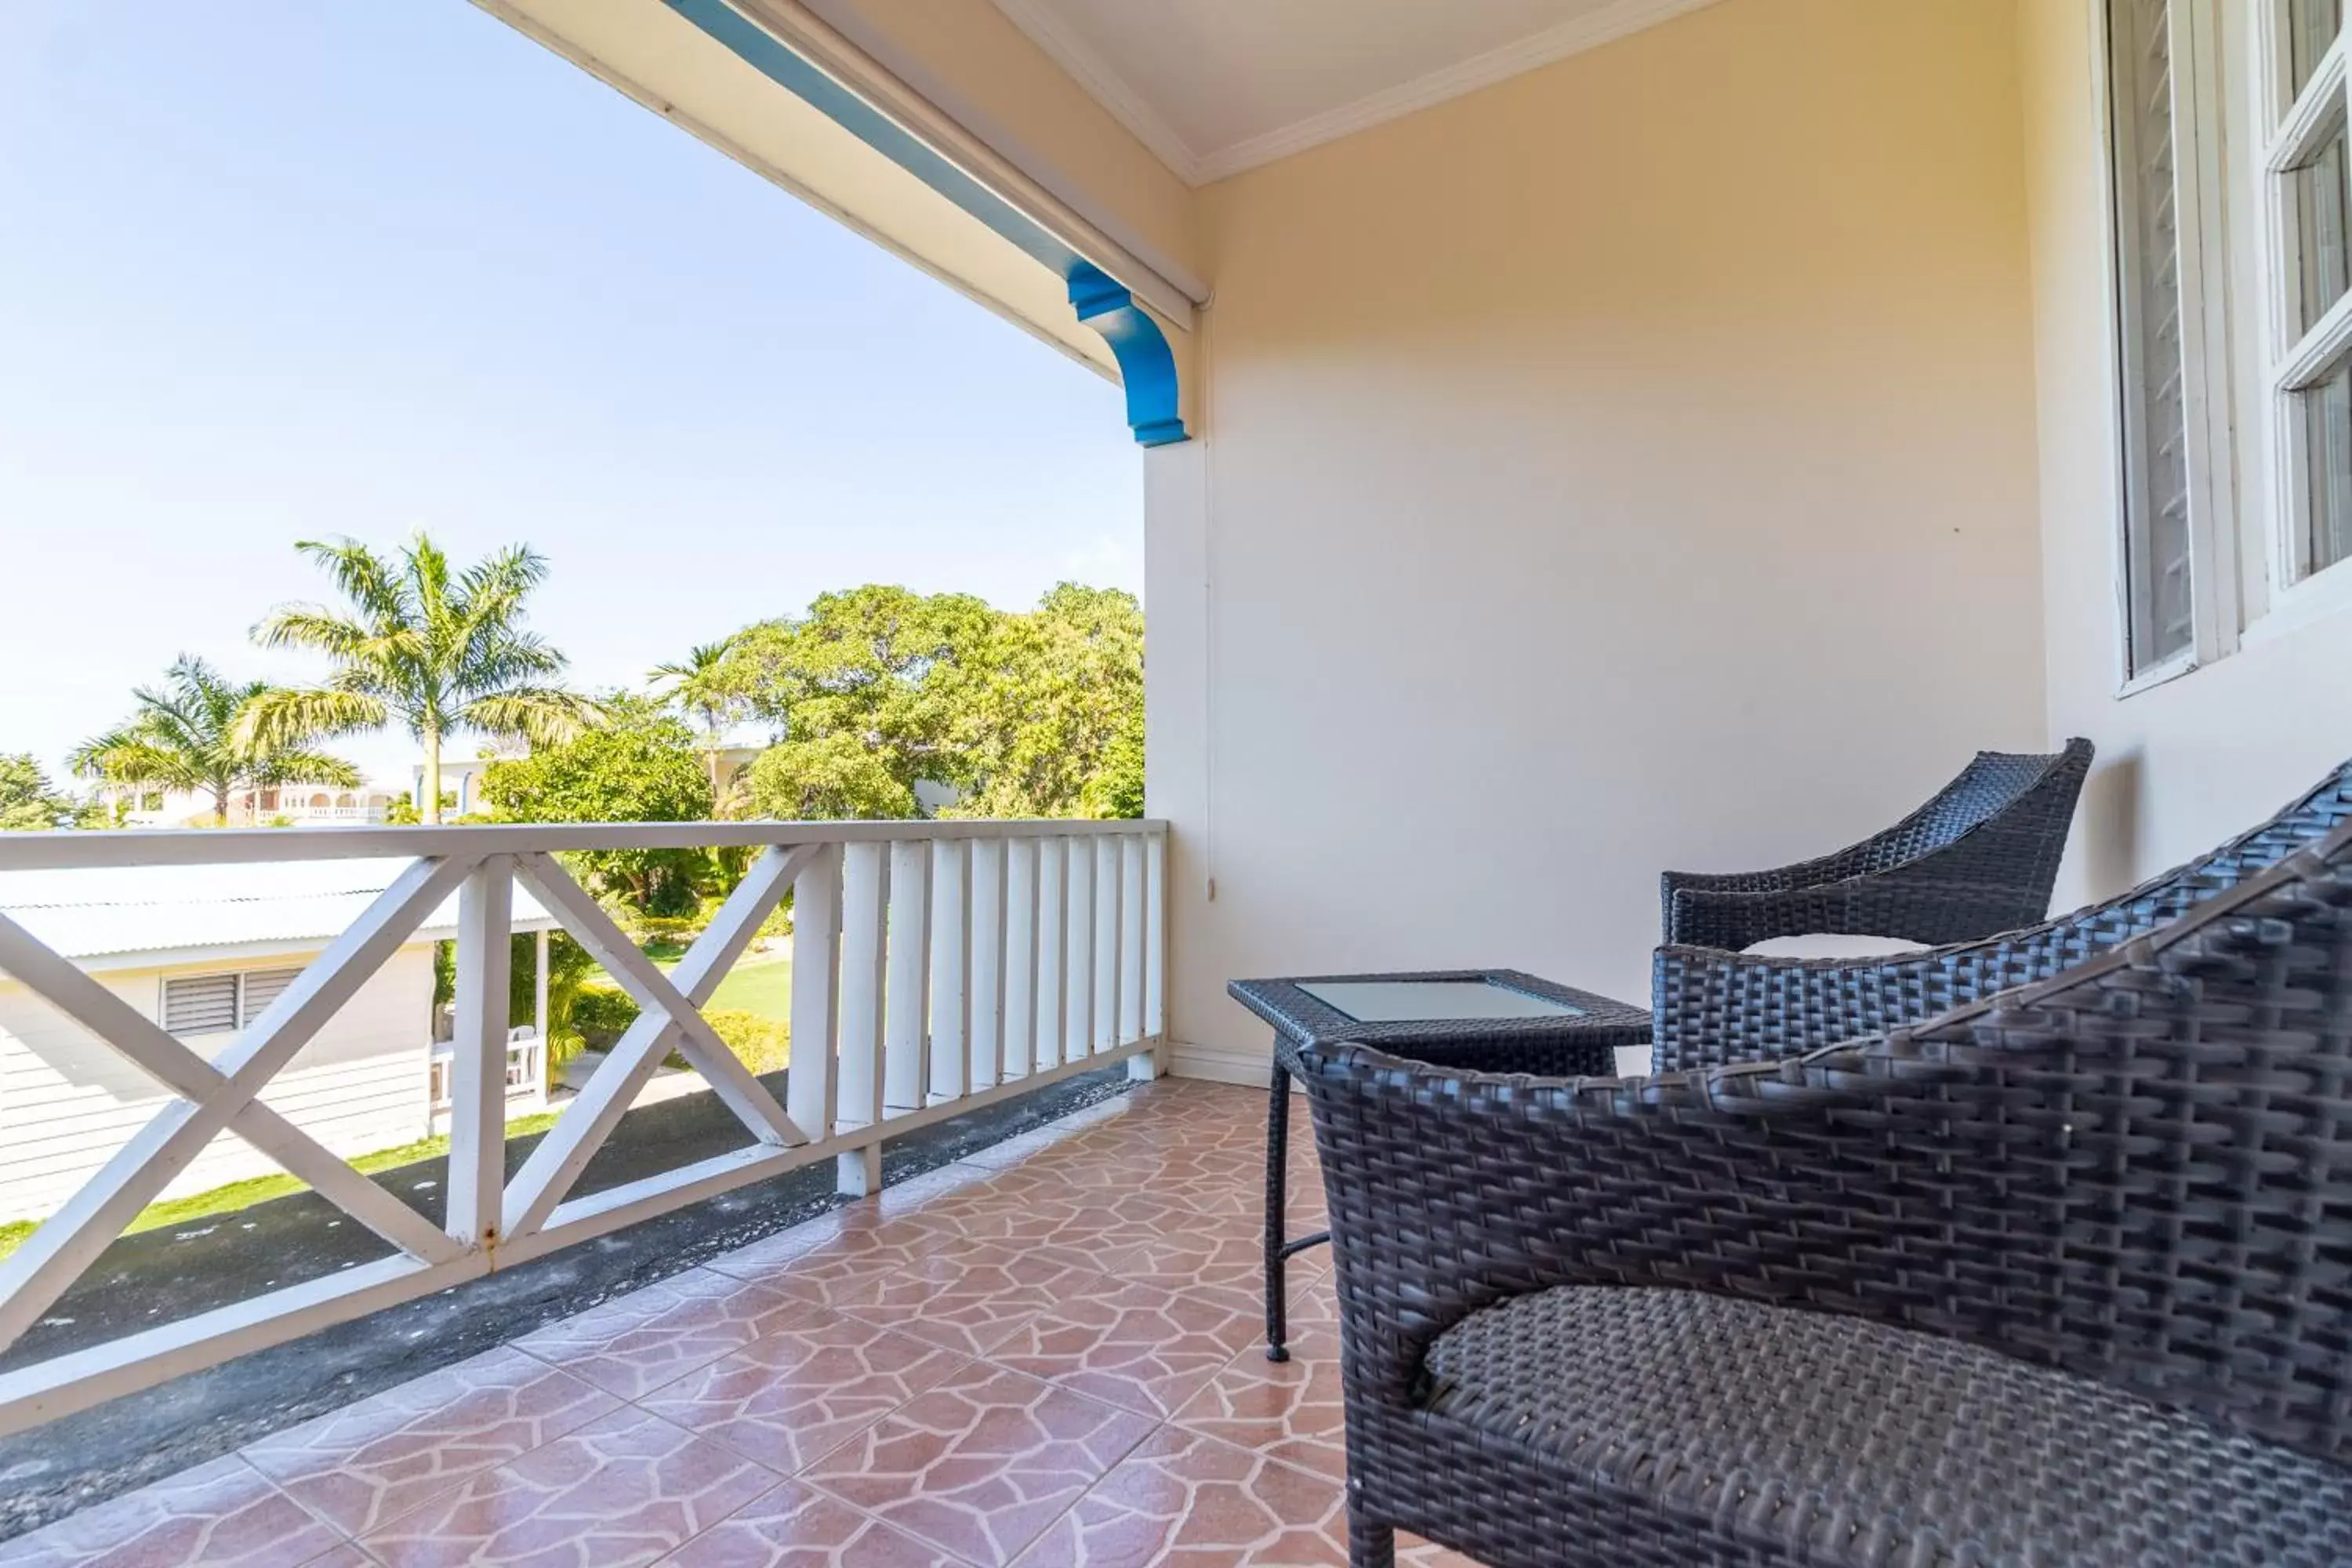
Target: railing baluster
x,y
1053,908
1111,903
951,968
1132,932
1079,964
865,949
1019,956
986,1060
478,1087
905,1011
810,1084
1155,936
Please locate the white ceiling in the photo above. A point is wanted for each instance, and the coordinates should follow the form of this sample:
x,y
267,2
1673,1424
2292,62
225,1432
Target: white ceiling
x,y
1216,86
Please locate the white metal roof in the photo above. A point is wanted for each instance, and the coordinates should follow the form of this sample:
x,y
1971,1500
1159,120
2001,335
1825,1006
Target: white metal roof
x,y
104,911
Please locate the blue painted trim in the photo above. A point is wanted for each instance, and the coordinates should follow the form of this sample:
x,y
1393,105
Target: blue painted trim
x,y
1145,362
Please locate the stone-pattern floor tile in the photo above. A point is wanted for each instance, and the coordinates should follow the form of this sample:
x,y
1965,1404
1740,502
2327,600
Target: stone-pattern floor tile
x,y
1109,1266
981,1463
800,1392
1222,1260
343,1556
371,1461
1289,1411
1140,1348
626,1488
974,1302
792,1527
1078,1225
862,1251
664,1331
225,1513
1412,1552
1185,1499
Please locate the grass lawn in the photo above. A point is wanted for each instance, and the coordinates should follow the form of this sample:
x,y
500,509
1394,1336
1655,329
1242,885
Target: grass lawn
x,y
759,984
237,1196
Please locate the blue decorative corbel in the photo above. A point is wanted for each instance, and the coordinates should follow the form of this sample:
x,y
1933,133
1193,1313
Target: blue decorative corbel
x,y
1145,362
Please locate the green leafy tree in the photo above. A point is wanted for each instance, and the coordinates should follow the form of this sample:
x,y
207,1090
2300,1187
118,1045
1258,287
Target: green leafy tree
x,y
1054,725
190,734
698,686
831,778
639,765
27,804
438,651
878,689
877,668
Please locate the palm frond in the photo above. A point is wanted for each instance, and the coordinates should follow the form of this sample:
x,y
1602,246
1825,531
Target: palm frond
x,y
360,576
291,718
301,767
544,716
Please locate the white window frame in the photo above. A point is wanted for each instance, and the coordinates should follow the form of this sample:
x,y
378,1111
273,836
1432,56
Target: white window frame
x,y
2200,155
2234,139
2284,597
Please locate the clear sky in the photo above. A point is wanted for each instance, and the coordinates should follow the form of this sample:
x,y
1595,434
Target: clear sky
x,y
273,269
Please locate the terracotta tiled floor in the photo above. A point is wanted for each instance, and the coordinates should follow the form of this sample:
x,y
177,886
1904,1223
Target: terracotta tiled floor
x,y
1049,1355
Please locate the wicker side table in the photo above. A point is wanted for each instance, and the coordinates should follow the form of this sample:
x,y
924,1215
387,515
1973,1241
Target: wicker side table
x,y
1476,1020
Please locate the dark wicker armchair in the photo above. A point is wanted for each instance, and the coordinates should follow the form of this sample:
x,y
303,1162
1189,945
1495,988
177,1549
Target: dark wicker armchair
x,y
1978,858
2063,1277
1710,1007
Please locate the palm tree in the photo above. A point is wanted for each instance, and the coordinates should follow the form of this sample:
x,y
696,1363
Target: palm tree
x,y
698,687
186,737
438,652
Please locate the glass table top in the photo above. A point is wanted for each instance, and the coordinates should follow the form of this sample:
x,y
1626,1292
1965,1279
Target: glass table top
x,y
1416,1001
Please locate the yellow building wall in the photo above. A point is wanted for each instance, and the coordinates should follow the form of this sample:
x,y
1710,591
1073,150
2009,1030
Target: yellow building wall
x,y
1630,465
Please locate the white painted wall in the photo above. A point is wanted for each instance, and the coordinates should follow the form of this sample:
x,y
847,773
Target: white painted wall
x,y
68,1102
2187,763
1631,465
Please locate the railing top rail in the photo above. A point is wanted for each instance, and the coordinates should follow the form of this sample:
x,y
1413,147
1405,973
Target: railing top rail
x,y
232,846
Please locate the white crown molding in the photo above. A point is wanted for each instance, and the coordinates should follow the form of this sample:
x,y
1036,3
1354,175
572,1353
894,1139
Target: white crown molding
x,y
1106,85
1605,25
1091,72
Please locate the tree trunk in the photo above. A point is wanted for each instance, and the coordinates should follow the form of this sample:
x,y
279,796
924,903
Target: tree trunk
x,y
432,802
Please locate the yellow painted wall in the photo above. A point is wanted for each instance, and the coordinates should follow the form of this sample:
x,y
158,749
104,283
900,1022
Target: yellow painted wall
x,y
1630,465
2187,763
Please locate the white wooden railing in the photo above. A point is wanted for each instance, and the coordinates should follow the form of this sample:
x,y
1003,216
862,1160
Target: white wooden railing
x,y
936,967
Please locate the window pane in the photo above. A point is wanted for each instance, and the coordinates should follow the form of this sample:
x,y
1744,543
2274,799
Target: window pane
x,y
2327,410
2311,26
2147,288
2319,194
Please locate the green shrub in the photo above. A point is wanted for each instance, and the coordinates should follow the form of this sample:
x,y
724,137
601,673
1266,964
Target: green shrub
x,y
763,1044
602,1014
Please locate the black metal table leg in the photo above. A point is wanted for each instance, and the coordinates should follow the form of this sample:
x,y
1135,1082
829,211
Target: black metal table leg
x,y
1278,1164
1279,1247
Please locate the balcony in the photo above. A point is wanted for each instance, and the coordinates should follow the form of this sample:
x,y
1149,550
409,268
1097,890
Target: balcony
x,y
1045,1354
939,969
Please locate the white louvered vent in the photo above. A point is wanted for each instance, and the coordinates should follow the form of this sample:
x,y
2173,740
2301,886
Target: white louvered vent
x,y
263,987
200,1004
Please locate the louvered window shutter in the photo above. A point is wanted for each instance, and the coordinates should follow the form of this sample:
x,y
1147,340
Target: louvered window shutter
x,y
263,987
200,1004
2155,409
